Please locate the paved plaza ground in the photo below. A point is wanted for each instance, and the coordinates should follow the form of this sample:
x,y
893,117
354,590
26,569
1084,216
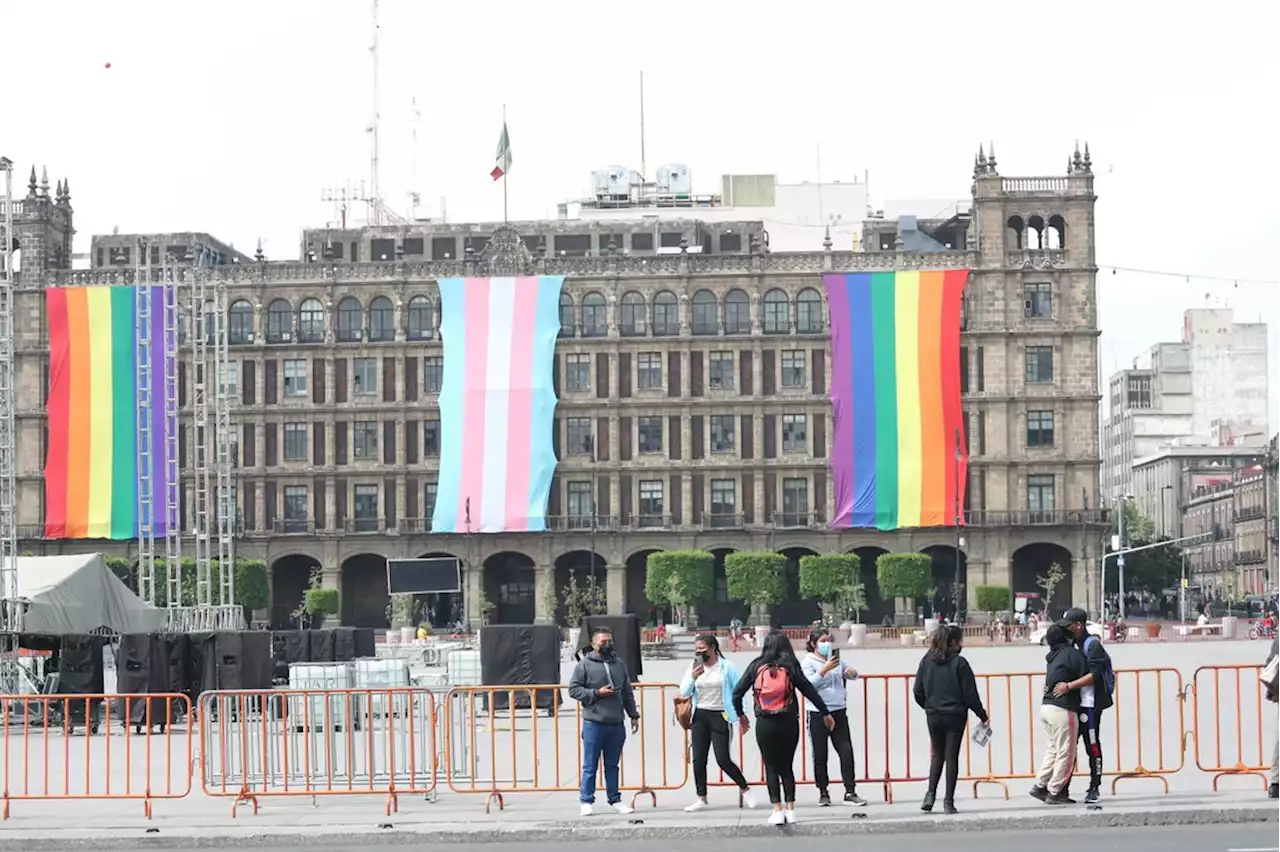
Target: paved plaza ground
x,y
526,756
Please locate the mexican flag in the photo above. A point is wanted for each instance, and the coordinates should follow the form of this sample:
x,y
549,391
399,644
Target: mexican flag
x,y
502,163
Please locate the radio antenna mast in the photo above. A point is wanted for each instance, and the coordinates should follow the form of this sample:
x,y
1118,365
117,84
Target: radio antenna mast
x,y
414,197
375,206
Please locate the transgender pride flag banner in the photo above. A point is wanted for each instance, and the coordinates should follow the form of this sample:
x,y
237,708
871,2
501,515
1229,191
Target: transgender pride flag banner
x,y
497,403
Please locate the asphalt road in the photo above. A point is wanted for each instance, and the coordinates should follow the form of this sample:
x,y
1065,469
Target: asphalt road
x,y
1212,838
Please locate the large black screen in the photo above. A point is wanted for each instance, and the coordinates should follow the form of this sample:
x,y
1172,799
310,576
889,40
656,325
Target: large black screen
x,y
423,576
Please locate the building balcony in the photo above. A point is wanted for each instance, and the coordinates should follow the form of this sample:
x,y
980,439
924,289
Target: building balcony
x,y
1036,518
1250,557
1036,259
581,522
723,521
1249,513
293,526
797,520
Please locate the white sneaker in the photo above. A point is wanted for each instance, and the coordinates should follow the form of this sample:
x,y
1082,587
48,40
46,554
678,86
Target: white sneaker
x,y
699,805
587,809
789,816
622,809
748,799
777,818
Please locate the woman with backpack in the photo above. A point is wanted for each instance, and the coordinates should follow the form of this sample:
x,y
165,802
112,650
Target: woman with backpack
x,y
947,692
773,678
709,685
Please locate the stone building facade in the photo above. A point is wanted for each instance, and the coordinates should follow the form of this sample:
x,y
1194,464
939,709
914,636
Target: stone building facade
x,y
693,376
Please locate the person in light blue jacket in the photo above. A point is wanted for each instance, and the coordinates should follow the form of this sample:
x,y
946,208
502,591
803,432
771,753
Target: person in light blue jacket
x,y
829,675
710,682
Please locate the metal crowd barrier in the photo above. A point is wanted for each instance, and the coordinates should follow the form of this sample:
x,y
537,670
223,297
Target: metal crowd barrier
x,y
51,753
887,730
1217,694
528,739
338,742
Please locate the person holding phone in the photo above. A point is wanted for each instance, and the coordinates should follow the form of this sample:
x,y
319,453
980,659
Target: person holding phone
x,y
710,682
601,684
829,675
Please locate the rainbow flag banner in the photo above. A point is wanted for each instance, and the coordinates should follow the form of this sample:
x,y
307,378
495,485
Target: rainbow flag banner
x,y
91,467
497,403
895,390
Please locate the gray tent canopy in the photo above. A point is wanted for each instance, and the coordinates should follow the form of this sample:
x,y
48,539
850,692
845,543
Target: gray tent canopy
x,y
78,593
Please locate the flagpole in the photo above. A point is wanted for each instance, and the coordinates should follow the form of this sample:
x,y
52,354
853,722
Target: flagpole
x,y
504,174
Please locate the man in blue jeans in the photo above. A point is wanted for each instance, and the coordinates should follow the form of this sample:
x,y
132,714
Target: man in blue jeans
x,y
602,685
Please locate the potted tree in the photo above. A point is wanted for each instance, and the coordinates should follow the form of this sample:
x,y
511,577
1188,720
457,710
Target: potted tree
x,y
581,601
831,579
253,591
757,578
320,603
680,579
905,577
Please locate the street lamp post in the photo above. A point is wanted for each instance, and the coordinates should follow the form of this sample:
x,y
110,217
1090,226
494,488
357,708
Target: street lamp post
x,y
1124,506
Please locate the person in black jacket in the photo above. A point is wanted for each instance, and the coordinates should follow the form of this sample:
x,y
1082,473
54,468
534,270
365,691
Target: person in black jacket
x,y
1095,695
773,677
947,691
1064,671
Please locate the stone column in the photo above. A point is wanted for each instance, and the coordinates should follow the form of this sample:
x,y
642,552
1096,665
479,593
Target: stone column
x,y
616,588
544,594
474,580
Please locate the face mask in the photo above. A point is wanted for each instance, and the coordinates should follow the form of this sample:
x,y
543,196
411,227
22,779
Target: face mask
x,y
605,649
705,655
824,648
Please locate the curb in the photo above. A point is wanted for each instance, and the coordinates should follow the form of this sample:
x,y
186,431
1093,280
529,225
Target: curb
x,y
575,832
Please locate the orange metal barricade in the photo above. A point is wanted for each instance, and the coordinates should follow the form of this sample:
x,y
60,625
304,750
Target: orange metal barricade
x,y
258,744
152,761
496,745
891,740
1217,693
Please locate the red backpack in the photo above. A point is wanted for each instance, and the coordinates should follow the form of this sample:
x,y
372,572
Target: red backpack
x,y
773,691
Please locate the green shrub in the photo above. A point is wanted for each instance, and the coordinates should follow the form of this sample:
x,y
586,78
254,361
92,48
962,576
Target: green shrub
x,y
756,577
904,575
679,577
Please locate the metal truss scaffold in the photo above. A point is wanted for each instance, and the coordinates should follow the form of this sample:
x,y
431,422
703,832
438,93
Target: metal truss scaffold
x,y
11,608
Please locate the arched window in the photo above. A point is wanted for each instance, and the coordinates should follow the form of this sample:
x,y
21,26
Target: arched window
x,y
421,323
809,311
632,319
595,321
568,315
776,312
1057,236
1035,233
382,320
666,314
279,322
737,313
704,312
349,320
1014,232
311,321
240,322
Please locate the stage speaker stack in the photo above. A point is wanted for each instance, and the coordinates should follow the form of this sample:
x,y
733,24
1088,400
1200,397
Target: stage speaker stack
x,y
344,644
80,672
365,644
152,663
626,639
230,660
321,646
517,654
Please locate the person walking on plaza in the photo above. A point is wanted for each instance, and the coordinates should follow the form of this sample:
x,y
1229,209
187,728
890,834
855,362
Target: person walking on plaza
x,y
1065,672
773,678
947,691
710,682
601,684
1096,691
829,675
1272,687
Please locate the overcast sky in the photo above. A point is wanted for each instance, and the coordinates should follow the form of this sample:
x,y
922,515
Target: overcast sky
x,y
232,118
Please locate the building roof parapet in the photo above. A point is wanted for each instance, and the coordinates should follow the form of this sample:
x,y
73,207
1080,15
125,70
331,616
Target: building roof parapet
x,y
582,267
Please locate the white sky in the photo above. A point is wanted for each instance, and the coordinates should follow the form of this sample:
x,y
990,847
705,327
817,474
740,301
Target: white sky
x,y
231,117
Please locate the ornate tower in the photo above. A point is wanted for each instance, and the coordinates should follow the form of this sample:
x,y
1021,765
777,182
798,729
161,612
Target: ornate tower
x,y
42,225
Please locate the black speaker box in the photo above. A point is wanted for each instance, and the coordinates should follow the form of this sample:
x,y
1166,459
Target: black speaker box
x,y
626,639
344,644
230,659
519,654
321,646
152,663
366,647
80,672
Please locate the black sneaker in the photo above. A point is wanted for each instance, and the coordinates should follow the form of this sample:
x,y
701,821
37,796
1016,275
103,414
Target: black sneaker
x,y
1092,796
852,798
1273,792
1059,799
824,800
1041,793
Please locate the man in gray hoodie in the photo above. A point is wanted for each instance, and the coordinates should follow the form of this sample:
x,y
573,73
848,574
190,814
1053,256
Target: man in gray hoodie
x,y
602,685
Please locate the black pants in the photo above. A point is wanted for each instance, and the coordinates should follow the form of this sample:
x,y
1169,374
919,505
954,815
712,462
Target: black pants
x,y
777,737
1090,723
946,733
841,741
711,731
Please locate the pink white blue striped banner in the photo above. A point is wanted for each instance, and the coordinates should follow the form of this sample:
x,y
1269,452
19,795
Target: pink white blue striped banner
x,y
497,403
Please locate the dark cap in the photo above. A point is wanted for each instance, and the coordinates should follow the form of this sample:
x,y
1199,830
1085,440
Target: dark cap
x,y
1075,614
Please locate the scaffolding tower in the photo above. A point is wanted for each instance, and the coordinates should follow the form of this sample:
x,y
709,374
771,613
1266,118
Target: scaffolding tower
x,y
11,608
151,504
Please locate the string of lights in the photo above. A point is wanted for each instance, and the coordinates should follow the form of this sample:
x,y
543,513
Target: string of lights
x,y
1188,276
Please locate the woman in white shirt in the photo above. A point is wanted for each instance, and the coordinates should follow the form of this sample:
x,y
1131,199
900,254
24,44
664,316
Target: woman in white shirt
x,y
710,681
